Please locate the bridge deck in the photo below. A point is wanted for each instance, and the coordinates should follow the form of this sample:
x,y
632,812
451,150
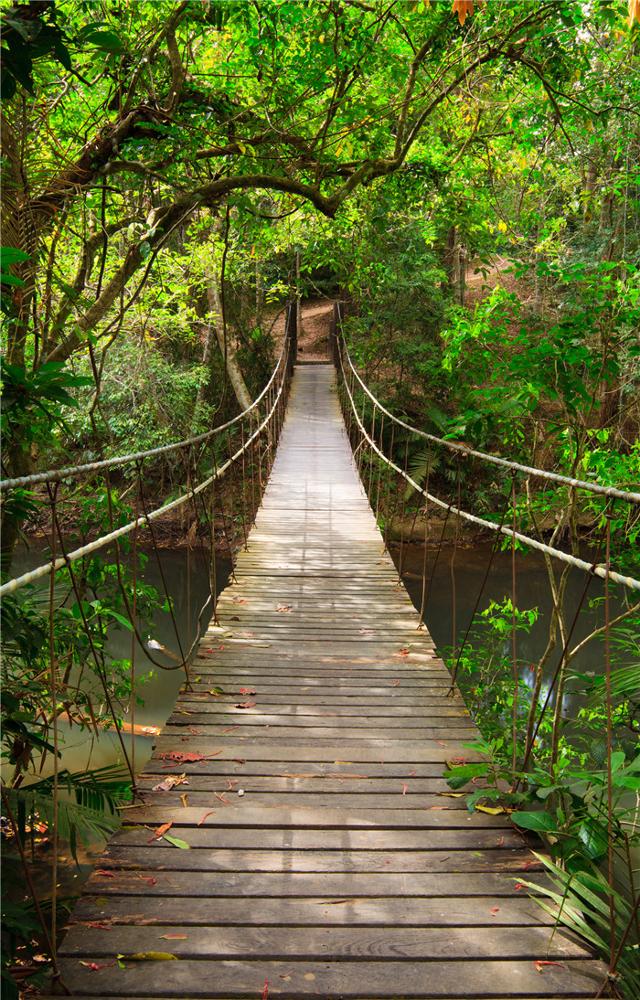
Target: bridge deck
x,y
344,870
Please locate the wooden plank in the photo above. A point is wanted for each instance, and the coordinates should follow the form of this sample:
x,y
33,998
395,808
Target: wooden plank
x,y
203,799
275,885
162,855
208,836
366,787
225,707
358,752
409,978
322,942
383,911
299,817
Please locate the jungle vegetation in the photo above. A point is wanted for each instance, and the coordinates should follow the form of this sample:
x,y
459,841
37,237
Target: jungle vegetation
x,y
465,176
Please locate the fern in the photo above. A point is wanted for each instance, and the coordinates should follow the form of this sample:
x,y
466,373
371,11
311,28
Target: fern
x,y
92,816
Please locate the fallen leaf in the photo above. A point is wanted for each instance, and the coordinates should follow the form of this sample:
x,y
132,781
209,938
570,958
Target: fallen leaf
x,y
284,609
176,842
170,782
491,810
173,937
104,873
265,990
150,880
96,966
149,956
97,925
395,683
405,788
184,798
494,910
189,757
246,704
150,730
222,798
160,831
216,692
247,690
540,964
205,816
518,886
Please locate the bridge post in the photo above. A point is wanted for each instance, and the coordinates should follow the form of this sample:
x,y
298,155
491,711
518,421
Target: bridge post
x,y
291,333
335,331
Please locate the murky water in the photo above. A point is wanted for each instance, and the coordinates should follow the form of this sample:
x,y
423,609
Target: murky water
x,y
187,580
532,591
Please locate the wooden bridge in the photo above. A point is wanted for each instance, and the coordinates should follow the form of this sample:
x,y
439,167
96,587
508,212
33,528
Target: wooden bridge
x,y
326,856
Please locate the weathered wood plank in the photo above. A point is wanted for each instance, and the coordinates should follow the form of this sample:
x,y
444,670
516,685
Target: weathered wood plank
x,y
320,817
322,839
345,979
325,942
383,911
124,881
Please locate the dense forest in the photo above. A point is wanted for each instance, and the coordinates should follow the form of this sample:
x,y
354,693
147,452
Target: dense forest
x,y
464,178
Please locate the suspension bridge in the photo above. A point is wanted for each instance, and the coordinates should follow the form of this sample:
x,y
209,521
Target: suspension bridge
x,y
322,853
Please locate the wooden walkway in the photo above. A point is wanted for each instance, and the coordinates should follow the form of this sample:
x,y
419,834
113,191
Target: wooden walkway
x,y
326,859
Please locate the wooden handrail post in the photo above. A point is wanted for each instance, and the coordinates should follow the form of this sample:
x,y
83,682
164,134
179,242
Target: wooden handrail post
x,y
291,332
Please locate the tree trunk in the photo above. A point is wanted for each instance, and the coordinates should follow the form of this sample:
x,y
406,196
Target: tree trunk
x,y
228,349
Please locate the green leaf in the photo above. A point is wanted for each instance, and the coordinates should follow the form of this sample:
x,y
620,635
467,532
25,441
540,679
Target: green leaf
x,y
106,40
11,255
541,822
182,844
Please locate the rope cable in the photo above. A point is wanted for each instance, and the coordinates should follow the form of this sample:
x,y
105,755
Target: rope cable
x,y
582,564
35,574
608,491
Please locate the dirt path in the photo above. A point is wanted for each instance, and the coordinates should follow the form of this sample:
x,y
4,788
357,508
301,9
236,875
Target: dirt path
x,y
313,342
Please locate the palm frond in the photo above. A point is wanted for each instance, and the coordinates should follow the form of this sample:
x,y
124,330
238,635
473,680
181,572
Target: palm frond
x,y
580,902
93,816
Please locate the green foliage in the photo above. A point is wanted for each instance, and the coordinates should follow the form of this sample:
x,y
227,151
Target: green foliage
x,y
583,901
33,401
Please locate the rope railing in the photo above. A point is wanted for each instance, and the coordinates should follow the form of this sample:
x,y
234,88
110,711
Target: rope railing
x,y
282,369
56,475
455,509
608,491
